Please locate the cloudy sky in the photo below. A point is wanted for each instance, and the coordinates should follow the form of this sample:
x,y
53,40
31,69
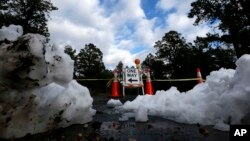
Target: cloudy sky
x,y
122,29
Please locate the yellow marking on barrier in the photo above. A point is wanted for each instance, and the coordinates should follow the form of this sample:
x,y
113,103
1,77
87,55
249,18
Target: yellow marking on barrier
x,y
187,79
91,79
111,80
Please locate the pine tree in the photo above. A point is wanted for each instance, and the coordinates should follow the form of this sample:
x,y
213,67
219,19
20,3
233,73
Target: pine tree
x,y
89,62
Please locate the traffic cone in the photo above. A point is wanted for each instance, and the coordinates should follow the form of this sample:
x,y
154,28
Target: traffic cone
x,y
115,86
149,88
199,77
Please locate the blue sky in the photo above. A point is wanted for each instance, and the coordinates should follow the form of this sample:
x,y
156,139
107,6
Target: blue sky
x,y
122,29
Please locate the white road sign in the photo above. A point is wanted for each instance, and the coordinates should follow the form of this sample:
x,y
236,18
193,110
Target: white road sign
x,y
132,76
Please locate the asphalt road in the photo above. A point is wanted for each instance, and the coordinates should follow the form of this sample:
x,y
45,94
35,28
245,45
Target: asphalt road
x,y
106,127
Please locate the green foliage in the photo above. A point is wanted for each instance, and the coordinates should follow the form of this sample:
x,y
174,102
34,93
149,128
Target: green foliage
x,y
175,58
176,53
70,51
233,17
106,74
157,67
120,69
32,15
210,56
120,66
170,45
89,62
3,15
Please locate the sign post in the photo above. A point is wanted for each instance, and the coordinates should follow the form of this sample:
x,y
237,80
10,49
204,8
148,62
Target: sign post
x,y
132,77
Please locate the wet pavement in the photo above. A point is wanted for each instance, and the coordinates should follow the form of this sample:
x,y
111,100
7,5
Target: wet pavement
x,y
106,127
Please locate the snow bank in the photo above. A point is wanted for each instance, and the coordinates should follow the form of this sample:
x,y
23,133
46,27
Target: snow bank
x,y
222,100
37,93
113,103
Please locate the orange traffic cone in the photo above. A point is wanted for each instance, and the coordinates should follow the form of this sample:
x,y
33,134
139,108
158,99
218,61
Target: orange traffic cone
x,y
115,86
199,77
149,88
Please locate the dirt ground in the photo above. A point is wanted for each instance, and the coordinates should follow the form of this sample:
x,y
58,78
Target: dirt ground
x,y
106,127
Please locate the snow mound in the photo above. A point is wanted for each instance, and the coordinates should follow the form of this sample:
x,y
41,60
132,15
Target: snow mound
x,y
141,114
222,100
37,93
30,61
113,103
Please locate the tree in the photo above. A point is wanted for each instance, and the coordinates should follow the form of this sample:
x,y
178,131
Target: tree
x,y
2,3
5,18
170,45
32,15
89,62
120,66
71,52
233,17
157,67
107,74
210,56
176,53
181,58
120,69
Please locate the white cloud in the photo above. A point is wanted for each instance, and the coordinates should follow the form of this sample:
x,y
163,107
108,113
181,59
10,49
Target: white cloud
x,y
81,12
181,6
65,31
125,11
118,27
115,55
145,32
80,22
125,44
179,21
167,4
184,25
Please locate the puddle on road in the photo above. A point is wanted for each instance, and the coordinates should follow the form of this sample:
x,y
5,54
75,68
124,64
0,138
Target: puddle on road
x,y
132,130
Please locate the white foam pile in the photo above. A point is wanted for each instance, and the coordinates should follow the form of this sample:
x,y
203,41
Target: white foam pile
x,y
114,103
37,93
222,100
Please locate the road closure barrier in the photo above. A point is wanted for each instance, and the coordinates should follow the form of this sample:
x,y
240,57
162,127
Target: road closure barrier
x,y
132,78
199,77
149,87
111,79
115,93
186,79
